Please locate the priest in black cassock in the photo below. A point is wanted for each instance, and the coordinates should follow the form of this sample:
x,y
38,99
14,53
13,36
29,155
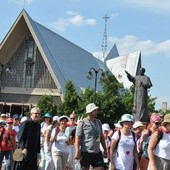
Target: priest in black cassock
x,y
29,141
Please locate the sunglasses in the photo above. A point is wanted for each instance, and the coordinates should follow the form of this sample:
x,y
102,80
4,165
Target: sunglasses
x,y
10,123
157,123
72,118
141,129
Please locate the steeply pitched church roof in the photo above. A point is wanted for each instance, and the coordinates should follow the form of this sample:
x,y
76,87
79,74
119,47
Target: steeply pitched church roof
x,y
65,60
130,62
113,53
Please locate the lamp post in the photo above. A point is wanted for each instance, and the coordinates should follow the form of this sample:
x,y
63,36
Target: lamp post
x,y
90,76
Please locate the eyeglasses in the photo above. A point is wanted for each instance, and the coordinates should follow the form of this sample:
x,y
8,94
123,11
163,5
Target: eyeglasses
x,y
72,118
37,113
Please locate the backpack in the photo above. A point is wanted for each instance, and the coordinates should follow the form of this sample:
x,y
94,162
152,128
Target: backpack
x,y
119,133
146,143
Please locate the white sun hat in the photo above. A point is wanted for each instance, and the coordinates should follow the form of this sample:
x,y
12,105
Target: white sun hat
x,y
63,117
55,118
91,107
126,118
106,127
138,124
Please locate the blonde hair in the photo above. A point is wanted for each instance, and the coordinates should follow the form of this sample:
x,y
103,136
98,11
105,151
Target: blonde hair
x,y
35,110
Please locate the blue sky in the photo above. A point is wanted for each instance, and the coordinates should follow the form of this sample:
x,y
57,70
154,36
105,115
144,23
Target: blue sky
x,y
133,25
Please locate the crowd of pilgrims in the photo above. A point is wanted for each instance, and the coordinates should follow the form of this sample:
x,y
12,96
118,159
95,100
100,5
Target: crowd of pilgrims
x,y
130,144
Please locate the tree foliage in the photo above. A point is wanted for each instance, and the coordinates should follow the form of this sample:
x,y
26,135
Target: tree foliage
x,y
113,100
110,104
71,98
47,105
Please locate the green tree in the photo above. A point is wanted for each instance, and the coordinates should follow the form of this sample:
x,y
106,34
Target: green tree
x,y
47,105
85,98
127,99
110,104
71,98
151,105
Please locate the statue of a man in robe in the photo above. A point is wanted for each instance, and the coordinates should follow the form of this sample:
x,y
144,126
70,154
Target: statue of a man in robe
x,y
142,83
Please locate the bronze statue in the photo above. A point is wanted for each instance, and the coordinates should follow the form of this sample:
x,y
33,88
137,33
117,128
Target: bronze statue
x,y
142,83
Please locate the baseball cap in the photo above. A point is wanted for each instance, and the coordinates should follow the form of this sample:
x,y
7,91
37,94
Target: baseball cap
x,y
15,116
106,127
9,120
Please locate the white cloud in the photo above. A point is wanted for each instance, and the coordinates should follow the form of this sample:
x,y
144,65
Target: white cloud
x,y
20,2
71,13
77,20
130,43
74,19
158,6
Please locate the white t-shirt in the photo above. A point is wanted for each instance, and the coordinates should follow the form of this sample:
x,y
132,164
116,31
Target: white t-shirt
x,y
107,142
124,157
59,144
47,146
44,127
16,128
162,149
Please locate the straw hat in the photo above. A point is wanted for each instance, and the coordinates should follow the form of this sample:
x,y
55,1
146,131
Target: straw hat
x,y
18,155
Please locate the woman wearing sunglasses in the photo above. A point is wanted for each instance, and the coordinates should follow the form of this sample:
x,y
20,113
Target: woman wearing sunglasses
x,y
155,122
159,147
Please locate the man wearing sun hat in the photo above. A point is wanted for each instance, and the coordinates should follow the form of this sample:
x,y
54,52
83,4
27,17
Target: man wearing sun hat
x,y
88,138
